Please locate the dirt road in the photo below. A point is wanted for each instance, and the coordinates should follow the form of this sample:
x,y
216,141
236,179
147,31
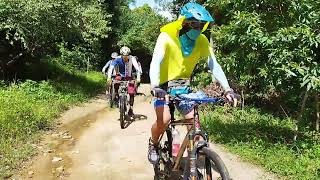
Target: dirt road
x,y
89,145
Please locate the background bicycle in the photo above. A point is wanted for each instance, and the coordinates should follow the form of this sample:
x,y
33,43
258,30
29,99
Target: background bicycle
x,y
122,101
111,96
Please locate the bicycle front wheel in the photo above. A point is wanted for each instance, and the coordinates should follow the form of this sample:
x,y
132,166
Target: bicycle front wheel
x,y
210,165
123,108
112,96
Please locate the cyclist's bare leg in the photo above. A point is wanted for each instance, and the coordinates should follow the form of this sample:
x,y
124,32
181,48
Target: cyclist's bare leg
x,y
163,119
190,116
131,101
107,88
116,89
131,92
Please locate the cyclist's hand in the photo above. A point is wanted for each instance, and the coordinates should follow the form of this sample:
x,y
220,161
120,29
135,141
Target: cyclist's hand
x,y
158,93
232,97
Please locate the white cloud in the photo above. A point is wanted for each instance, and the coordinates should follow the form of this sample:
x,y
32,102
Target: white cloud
x,y
139,3
166,14
151,3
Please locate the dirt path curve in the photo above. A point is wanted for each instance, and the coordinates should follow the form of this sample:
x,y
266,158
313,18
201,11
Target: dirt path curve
x,y
89,145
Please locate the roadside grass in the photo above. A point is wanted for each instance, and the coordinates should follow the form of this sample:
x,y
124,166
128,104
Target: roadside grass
x,y
265,140
29,107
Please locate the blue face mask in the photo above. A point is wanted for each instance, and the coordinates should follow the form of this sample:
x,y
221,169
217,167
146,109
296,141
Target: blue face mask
x,y
188,42
193,34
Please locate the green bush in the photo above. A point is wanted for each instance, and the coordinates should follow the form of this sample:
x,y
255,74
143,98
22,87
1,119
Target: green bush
x,y
265,140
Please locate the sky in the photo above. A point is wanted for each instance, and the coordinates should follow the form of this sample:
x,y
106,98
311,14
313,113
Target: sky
x,y
152,4
139,3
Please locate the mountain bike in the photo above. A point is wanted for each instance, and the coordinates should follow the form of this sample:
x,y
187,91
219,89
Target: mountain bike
x,y
122,101
202,163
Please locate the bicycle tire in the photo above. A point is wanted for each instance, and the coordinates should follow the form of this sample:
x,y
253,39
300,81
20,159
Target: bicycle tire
x,y
213,165
112,97
122,104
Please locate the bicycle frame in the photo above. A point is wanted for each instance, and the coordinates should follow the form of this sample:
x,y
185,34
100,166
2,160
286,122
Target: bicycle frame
x,y
189,140
123,100
122,86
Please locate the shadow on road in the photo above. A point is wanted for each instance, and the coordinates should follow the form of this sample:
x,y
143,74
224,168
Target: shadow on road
x,y
136,117
141,94
139,117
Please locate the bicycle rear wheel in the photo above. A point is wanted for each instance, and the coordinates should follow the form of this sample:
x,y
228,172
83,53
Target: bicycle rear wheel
x,y
210,165
123,109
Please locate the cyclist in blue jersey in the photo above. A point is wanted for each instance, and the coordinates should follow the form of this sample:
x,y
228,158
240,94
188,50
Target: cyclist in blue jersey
x,y
125,62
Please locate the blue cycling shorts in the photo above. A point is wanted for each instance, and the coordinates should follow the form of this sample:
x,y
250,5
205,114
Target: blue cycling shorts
x,y
184,107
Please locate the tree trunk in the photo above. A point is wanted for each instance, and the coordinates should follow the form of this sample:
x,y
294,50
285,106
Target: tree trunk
x,y
303,105
242,96
317,111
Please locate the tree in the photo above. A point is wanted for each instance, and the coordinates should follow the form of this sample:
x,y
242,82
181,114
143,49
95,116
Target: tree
x,y
270,47
144,29
31,29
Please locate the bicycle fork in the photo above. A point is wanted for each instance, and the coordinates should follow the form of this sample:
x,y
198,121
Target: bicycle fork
x,y
192,159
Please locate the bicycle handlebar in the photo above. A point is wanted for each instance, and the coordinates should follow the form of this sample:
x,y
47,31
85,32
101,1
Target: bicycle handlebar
x,y
123,81
197,100
162,94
